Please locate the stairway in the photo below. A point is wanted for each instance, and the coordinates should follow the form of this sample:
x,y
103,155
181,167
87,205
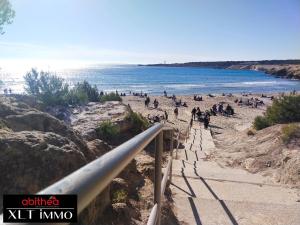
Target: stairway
x,y
206,193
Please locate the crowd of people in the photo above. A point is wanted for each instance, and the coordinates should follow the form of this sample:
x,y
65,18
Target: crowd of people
x,y
252,102
197,114
7,91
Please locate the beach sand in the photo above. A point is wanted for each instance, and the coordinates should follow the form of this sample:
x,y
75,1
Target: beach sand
x,y
242,120
261,152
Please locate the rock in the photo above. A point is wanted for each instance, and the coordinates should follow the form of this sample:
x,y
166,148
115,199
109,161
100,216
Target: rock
x,y
145,165
88,118
20,117
121,210
32,160
99,147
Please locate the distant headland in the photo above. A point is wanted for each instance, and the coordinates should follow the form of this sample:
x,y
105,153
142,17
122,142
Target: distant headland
x,y
281,68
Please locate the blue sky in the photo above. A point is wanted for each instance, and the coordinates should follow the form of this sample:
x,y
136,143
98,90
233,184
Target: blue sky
x,y
151,31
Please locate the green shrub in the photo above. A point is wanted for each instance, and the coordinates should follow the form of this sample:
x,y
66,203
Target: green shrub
x,y
138,122
110,97
48,88
290,132
119,196
108,131
76,97
261,122
283,110
92,93
51,90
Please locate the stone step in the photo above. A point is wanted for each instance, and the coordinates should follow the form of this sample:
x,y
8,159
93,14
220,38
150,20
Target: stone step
x,y
214,171
232,190
199,211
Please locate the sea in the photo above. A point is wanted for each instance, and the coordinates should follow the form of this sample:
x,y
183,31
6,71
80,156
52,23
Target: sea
x,y
155,79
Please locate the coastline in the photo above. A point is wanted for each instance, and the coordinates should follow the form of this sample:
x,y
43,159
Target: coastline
x,y
289,69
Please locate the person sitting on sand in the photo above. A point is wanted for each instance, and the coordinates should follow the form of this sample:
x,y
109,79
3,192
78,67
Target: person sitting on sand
x,y
174,98
184,104
220,108
176,112
198,98
194,110
229,110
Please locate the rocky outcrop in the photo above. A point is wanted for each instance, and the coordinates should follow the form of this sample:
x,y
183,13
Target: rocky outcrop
x,y
21,117
85,119
37,149
279,68
30,161
285,71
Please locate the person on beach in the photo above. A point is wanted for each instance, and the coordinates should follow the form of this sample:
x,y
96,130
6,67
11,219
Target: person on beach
x,y
229,110
176,112
165,94
198,113
194,110
155,103
147,101
206,120
220,108
166,116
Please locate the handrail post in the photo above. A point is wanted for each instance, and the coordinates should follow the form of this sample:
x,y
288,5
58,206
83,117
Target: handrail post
x,y
158,174
171,154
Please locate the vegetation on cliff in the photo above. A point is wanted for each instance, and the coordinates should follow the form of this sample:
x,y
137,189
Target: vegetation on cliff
x,y
283,110
280,68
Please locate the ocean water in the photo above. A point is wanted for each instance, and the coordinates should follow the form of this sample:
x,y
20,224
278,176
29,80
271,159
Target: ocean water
x,y
154,80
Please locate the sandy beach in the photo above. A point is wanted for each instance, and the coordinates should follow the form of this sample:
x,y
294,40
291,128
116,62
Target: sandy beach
x,y
242,120
234,146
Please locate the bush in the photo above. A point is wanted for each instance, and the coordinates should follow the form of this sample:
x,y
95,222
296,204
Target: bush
x,y
290,132
261,122
108,131
92,93
283,110
76,97
139,123
119,196
48,88
110,97
52,90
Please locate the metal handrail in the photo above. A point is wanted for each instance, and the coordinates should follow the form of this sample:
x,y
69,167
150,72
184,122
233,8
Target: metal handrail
x,y
90,180
154,218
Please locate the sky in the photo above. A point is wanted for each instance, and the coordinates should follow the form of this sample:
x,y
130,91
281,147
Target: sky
x,y
151,31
